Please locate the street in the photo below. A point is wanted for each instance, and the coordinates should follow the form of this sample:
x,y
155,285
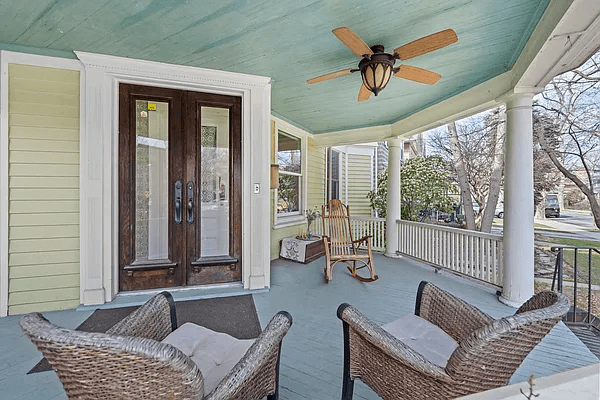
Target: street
x,y
580,219
570,224
573,224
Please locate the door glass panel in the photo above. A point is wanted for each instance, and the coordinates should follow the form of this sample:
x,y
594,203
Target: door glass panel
x,y
214,182
152,181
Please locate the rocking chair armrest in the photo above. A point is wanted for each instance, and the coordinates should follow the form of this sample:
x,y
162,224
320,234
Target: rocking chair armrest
x,y
153,320
453,315
364,239
254,372
405,357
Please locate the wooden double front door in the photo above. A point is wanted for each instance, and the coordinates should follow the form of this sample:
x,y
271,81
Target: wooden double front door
x,y
179,188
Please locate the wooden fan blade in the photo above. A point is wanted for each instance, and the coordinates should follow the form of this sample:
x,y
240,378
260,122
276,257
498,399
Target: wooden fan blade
x,y
417,74
364,93
353,41
427,44
330,75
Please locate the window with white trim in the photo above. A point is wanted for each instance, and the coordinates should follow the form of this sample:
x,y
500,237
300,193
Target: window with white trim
x,y
289,158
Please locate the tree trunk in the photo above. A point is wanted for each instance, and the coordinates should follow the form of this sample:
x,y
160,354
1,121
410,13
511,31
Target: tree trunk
x,y
540,209
496,176
582,186
463,181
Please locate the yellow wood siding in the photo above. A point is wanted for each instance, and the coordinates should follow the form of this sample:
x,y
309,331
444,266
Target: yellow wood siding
x,y
359,184
43,122
316,175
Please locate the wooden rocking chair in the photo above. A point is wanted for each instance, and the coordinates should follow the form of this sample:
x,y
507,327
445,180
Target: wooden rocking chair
x,y
339,246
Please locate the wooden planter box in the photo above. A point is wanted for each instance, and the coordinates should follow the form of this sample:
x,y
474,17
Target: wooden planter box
x,y
314,250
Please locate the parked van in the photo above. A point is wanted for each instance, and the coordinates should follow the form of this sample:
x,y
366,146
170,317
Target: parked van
x,y
552,206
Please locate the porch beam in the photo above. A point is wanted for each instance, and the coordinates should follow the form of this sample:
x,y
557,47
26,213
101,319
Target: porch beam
x,y
518,201
393,199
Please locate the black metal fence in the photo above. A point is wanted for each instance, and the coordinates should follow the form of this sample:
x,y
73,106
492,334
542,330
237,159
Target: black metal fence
x,y
580,280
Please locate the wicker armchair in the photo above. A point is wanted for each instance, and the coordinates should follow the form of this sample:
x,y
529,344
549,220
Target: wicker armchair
x,y
340,246
130,362
462,351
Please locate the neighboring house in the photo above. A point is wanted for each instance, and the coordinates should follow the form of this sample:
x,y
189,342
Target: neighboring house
x,y
596,180
381,161
412,146
356,176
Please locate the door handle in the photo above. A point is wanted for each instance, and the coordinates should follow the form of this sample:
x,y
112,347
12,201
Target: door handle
x,y
178,214
190,202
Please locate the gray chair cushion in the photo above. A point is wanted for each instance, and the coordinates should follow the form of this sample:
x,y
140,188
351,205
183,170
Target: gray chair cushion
x,y
214,353
424,337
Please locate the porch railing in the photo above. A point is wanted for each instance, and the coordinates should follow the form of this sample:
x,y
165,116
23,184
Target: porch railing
x,y
475,254
579,314
361,226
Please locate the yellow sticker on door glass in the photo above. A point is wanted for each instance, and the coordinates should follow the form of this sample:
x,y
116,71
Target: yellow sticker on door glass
x,y
151,106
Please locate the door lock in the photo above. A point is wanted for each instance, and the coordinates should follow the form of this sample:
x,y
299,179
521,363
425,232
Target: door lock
x,y
190,202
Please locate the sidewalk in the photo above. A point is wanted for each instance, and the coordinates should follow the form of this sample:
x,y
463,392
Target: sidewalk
x,y
582,212
568,283
562,231
577,235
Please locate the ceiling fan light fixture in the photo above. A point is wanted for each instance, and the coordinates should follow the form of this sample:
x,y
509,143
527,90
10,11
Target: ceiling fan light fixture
x,y
376,71
377,67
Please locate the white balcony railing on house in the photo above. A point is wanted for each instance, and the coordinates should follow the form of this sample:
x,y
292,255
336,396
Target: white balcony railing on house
x,y
476,254
361,226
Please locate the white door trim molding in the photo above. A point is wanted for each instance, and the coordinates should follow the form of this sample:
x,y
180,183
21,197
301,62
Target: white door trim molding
x,y
6,58
99,163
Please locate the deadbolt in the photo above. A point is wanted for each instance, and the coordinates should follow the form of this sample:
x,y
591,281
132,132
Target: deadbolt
x,y
190,202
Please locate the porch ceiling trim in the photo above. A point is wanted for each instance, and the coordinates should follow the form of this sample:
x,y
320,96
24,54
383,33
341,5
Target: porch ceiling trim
x,y
353,136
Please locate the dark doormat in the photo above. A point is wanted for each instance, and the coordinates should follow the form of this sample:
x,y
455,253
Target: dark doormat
x,y
235,316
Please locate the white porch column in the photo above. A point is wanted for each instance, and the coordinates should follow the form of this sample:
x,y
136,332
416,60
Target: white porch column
x,y
393,197
518,201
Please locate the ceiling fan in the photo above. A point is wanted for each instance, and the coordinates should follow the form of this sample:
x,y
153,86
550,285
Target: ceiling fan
x,y
376,66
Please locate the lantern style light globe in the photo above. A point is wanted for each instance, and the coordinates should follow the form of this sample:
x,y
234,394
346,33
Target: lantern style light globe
x,y
376,71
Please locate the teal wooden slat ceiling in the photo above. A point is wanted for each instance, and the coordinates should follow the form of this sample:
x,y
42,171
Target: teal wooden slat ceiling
x,y
289,41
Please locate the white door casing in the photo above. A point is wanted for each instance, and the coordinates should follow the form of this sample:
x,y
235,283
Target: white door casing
x,y
99,163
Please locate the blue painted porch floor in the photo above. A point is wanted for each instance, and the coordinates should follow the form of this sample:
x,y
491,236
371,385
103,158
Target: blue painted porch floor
x,y
311,361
